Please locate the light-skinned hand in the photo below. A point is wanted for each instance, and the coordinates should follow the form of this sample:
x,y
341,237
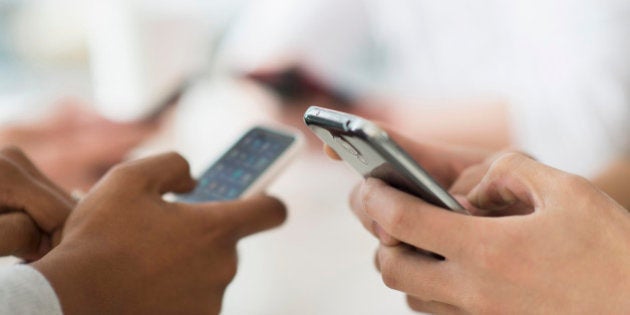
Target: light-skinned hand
x,y
444,162
127,251
555,245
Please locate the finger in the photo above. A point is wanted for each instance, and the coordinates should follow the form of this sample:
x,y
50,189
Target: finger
x,y
366,221
444,162
415,222
404,269
19,191
469,178
17,156
515,181
357,209
431,307
19,235
248,216
168,172
331,153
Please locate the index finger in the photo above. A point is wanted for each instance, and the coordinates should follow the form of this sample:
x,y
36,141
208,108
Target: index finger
x,y
19,235
16,155
330,152
247,216
415,222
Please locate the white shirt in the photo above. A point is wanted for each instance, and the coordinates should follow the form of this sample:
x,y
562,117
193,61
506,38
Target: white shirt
x,y
563,65
25,291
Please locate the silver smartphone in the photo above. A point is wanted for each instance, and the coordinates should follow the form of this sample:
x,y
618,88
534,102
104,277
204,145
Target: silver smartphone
x,y
248,166
371,152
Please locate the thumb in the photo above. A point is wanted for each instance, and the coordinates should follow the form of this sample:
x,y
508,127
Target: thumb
x,y
514,184
248,216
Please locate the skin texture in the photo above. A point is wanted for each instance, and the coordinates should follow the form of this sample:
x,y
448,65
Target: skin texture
x,y
74,145
615,180
32,208
540,240
127,251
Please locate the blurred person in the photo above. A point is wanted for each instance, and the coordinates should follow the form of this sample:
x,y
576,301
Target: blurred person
x,y
122,249
538,240
550,78
43,56
73,144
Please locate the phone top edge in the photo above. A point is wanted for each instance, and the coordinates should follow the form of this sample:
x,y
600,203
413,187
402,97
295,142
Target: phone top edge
x,y
326,117
344,122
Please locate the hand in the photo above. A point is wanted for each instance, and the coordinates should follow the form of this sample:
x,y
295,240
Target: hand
x,y
446,163
568,250
127,251
32,208
74,145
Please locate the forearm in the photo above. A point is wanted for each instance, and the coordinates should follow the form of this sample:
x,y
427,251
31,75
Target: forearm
x,y
615,181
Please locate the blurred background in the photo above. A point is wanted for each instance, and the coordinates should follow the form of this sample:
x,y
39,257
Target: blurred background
x,y
87,84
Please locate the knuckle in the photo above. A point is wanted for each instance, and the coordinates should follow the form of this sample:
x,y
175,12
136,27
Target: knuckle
x,y
11,151
8,170
576,182
176,157
415,304
396,214
126,173
229,268
397,220
354,200
388,269
507,161
365,195
177,160
471,171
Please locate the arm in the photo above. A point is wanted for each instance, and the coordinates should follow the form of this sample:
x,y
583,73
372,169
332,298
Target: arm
x,y
127,251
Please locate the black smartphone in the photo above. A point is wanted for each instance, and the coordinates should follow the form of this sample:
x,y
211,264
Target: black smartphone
x,y
248,166
370,151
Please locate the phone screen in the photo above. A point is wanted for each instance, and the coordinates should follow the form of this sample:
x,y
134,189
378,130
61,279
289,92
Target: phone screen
x,y
236,171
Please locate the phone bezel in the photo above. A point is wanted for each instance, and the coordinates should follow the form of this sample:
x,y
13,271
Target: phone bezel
x,y
271,172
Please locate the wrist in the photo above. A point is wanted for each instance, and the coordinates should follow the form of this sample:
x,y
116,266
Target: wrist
x,y
74,284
